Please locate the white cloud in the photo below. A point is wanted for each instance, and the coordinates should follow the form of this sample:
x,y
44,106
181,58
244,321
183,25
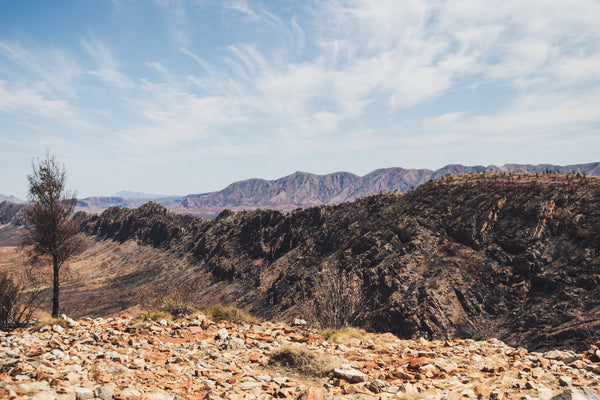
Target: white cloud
x,y
107,65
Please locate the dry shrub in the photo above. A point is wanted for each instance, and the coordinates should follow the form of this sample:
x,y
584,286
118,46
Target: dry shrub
x,y
142,318
356,336
20,297
232,314
334,300
49,321
342,335
176,301
304,361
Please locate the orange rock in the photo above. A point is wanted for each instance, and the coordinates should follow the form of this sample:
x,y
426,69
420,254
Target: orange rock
x,y
254,357
313,393
369,365
417,363
481,391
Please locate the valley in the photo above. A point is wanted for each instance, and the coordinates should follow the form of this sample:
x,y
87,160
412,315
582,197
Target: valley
x,y
507,255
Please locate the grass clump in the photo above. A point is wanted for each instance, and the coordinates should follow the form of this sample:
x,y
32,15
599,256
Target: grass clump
x,y
177,307
303,361
49,321
355,336
232,314
344,334
142,318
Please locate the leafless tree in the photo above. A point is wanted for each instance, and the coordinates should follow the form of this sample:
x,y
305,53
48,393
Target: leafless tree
x,y
52,233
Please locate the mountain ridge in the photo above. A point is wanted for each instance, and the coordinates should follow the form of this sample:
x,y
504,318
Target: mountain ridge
x,y
304,189
508,255
301,189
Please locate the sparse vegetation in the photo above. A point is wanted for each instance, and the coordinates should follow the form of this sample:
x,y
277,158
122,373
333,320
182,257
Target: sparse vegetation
x,y
20,298
49,321
339,335
303,361
335,300
233,314
178,301
142,318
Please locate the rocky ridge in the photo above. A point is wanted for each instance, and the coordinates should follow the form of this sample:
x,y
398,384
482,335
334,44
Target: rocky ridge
x,y
302,189
105,358
513,256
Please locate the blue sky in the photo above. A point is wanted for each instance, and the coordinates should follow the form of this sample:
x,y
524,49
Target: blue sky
x,y
178,97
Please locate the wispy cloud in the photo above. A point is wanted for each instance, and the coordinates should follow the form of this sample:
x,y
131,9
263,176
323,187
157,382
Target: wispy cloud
x,y
382,80
107,67
176,20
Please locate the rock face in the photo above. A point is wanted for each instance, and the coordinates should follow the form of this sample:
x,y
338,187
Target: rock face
x,y
105,358
513,256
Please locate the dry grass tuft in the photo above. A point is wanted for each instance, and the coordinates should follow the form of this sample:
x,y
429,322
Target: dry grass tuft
x,y
49,321
232,314
356,336
303,361
140,320
344,334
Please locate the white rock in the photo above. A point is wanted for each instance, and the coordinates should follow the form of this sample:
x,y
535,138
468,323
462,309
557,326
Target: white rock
x,y
350,375
82,393
577,394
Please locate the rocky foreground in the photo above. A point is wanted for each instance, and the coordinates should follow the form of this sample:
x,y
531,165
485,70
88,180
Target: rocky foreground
x,y
199,359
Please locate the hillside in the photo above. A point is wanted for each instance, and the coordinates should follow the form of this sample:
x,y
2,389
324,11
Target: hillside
x,y
513,256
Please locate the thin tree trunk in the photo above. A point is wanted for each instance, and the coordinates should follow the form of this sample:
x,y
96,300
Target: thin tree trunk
x,y
55,291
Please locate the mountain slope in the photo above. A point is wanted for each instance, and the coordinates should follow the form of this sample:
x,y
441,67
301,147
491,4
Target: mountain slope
x,y
515,256
302,189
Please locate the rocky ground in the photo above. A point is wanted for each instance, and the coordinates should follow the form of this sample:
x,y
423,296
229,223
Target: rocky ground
x,y
106,358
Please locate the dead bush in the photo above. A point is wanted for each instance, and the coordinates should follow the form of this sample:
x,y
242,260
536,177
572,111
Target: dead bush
x,y
334,299
140,320
49,321
232,314
176,301
20,298
304,361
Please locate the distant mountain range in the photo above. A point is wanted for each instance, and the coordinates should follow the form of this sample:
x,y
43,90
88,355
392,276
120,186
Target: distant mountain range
x,y
302,189
12,199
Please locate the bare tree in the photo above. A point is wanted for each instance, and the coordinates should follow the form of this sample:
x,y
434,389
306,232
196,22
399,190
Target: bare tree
x,y
53,233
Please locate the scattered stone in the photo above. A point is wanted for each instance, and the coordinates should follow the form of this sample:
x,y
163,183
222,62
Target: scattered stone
x,y
299,322
349,374
565,380
105,392
222,334
82,393
577,394
105,360
377,386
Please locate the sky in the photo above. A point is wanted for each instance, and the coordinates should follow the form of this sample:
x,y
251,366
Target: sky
x,y
180,97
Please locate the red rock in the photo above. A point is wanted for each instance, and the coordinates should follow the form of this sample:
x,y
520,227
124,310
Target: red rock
x,y
481,391
417,363
313,393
